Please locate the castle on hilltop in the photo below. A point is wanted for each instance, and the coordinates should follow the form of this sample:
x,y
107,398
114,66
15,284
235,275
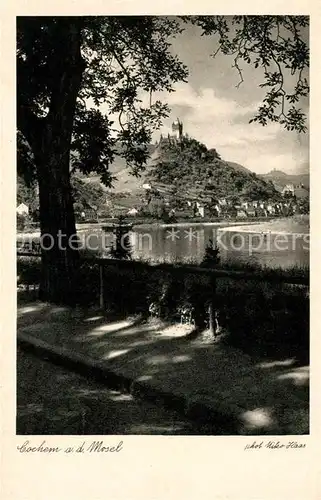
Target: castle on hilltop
x,y
177,129
177,132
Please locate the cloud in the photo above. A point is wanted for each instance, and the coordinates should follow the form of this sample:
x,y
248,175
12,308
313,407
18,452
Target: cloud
x,y
264,163
204,102
215,120
223,123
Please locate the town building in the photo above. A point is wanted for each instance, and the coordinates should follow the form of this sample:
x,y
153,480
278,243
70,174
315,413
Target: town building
x,y
288,189
22,209
241,213
132,212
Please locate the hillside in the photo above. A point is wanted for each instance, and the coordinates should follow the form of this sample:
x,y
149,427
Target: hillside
x,y
238,167
193,170
124,181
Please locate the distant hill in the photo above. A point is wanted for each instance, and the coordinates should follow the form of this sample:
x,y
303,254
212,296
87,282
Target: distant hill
x,y
281,179
277,174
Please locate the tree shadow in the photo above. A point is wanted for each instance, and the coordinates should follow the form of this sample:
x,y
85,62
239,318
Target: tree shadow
x,y
52,400
244,394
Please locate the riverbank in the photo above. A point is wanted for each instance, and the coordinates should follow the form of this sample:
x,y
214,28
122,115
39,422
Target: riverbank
x,y
298,226
284,224
191,223
83,227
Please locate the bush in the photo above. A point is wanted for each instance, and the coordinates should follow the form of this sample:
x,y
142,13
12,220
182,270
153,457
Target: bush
x,y
212,255
28,271
261,318
122,248
22,221
265,318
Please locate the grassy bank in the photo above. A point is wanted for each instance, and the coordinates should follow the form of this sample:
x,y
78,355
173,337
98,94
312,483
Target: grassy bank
x,y
262,318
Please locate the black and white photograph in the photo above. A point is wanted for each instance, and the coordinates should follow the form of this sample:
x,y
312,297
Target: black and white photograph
x,y
163,226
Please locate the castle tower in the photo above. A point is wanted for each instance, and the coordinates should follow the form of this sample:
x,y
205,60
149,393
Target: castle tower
x,y
177,129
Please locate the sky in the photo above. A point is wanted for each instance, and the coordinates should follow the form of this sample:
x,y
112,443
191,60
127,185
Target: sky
x,y
217,113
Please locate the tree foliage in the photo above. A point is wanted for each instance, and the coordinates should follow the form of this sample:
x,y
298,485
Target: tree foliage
x,y
87,194
121,248
278,45
212,255
26,193
75,77
121,58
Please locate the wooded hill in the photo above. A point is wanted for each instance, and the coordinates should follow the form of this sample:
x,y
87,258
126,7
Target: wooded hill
x,y
186,168
190,167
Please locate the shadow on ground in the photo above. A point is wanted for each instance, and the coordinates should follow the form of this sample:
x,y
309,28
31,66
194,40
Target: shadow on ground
x,y
246,395
53,400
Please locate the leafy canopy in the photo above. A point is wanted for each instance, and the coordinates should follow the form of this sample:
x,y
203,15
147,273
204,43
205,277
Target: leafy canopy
x,y
87,194
122,57
278,45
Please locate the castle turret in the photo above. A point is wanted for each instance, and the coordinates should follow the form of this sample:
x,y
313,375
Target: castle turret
x,y
177,129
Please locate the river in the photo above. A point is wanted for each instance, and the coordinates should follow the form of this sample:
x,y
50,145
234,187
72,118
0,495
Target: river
x,y
272,244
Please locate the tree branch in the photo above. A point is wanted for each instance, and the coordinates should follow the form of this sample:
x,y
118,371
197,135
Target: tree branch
x,y
236,66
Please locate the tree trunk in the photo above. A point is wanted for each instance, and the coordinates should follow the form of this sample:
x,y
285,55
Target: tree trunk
x,y
57,223
50,140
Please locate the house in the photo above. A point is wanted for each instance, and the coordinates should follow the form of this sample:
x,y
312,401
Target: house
x,y
133,212
251,212
90,214
241,213
22,209
270,208
201,211
288,189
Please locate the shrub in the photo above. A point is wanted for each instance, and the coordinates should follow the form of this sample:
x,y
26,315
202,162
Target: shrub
x,y
22,221
28,271
261,318
212,255
122,248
